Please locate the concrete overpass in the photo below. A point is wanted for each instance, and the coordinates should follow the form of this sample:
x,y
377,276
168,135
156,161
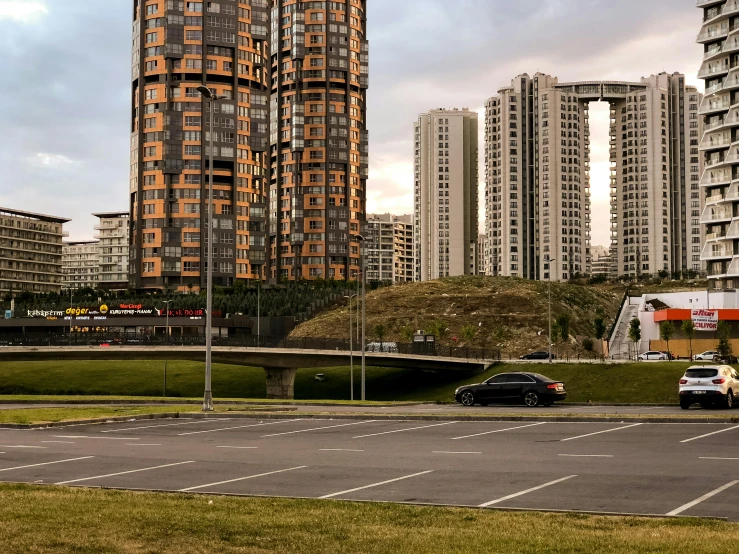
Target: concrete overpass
x,y
280,365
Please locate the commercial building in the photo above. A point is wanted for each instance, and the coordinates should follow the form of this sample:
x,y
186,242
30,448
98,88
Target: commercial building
x,y
30,252
113,250
538,176
81,265
389,248
445,196
718,147
289,130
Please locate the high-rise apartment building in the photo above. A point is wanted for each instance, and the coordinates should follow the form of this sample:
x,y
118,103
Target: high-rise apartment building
x,y
538,177
389,248
318,138
30,252
113,252
289,131
446,196
80,265
720,180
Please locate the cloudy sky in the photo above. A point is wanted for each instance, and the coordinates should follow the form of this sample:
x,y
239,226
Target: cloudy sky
x,y
66,82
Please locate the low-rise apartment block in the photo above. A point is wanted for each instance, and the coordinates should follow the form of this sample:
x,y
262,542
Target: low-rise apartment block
x,y
390,248
30,252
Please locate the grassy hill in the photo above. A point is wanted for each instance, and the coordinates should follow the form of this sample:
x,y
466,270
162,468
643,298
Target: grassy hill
x,y
507,313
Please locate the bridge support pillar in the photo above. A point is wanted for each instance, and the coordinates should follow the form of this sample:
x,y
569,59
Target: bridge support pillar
x,y
280,383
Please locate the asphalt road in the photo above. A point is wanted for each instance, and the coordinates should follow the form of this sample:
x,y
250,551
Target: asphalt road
x,y
685,469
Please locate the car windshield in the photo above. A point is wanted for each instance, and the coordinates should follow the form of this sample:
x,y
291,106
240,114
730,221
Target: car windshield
x,y
701,373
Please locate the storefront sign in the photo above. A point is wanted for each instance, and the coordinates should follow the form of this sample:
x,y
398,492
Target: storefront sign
x,y
705,320
106,312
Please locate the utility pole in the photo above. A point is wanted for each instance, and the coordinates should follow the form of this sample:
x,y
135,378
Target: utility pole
x,y
549,294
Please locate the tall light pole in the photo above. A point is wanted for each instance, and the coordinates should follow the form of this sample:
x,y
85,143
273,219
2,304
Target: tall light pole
x,y
208,396
259,307
167,302
363,262
351,349
549,294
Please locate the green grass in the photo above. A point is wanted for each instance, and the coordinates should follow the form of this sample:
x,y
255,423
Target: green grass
x,y
56,520
621,383
52,415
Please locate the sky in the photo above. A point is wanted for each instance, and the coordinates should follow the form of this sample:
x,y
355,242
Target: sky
x,y
66,80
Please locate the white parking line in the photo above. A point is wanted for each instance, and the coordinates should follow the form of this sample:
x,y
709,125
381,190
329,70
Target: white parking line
x,y
697,501
240,479
58,442
47,463
164,425
375,485
498,431
239,447
585,456
404,430
96,438
338,450
122,473
708,458
601,432
239,427
443,452
21,446
527,491
141,444
710,434
316,429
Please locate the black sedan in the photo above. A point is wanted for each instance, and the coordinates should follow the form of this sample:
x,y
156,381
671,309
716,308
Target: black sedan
x,y
538,356
532,389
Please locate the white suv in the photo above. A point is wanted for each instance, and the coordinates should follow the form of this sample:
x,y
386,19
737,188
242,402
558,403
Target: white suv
x,y
708,355
708,385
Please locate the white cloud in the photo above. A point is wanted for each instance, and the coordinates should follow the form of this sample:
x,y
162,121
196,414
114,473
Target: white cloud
x,y
21,10
52,161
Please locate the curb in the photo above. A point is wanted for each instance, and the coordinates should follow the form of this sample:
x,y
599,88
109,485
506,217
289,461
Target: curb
x,y
188,402
375,417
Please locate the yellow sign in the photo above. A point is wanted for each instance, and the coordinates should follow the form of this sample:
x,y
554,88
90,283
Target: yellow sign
x,y
103,309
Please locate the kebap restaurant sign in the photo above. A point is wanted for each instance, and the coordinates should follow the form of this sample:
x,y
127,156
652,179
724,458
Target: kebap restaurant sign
x,y
121,310
705,320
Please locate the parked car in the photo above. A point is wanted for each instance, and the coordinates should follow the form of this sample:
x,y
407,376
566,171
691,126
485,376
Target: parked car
x,y
532,389
670,356
653,355
709,385
538,356
707,356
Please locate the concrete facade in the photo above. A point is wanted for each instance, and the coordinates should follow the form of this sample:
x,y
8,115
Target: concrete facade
x,y
538,176
718,148
30,252
113,250
446,195
389,246
81,265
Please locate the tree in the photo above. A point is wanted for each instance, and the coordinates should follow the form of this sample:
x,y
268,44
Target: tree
x,y
468,333
438,329
407,333
563,322
724,342
635,333
588,345
556,331
688,329
379,331
666,332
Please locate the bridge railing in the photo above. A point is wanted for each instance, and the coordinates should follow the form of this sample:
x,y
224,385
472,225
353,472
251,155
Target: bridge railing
x,y
325,344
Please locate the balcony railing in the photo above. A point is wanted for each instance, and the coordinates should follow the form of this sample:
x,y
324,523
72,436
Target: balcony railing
x,y
713,251
711,215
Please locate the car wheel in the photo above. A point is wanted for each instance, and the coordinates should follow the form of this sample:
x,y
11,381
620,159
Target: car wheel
x,y
685,404
467,398
729,402
531,399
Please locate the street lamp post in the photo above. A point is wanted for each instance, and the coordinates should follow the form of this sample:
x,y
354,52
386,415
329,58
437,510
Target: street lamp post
x,y
164,389
351,349
259,306
363,263
549,294
167,303
208,396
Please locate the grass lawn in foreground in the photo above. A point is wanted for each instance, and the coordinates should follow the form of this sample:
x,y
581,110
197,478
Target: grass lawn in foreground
x,y
630,383
46,519
52,415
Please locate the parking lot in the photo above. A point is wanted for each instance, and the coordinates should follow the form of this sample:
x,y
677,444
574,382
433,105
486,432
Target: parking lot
x,y
642,468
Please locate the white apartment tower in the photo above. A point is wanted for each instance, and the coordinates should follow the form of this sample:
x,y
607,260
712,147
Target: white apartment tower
x,y
446,197
113,234
389,240
537,162
719,146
